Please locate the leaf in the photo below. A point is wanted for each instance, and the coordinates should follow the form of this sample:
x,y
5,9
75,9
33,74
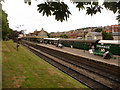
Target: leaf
x,y
95,3
113,6
59,9
29,3
80,5
45,8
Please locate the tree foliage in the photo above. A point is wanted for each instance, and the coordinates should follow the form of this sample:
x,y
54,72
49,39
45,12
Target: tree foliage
x,y
98,29
90,10
107,36
5,27
14,35
58,9
6,31
64,36
113,6
61,10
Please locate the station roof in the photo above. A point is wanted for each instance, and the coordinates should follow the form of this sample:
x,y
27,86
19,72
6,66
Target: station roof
x,y
52,38
78,40
109,41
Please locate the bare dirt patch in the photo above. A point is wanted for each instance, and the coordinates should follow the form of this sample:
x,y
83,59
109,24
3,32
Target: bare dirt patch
x,y
53,72
18,80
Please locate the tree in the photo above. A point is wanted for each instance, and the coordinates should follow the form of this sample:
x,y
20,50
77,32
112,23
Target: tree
x,y
107,36
48,35
5,27
61,10
64,36
14,35
98,29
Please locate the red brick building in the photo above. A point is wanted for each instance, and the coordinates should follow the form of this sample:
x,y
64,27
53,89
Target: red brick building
x,y
113,28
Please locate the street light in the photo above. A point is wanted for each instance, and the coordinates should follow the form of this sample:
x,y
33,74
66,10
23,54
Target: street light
x,y
84,39
23,31
19,28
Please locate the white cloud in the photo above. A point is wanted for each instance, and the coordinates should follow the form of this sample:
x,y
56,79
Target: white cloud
x,y
20,13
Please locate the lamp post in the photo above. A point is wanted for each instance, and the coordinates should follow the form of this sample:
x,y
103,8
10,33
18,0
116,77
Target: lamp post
x,y
19,28
84,39
23,31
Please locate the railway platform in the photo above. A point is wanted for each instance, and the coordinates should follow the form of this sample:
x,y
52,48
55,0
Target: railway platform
x,y
85,53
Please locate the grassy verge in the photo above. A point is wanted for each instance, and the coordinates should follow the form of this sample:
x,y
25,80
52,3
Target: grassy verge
x,y
23,69
0,64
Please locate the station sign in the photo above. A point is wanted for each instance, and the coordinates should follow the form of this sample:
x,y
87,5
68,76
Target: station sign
x,y
103,46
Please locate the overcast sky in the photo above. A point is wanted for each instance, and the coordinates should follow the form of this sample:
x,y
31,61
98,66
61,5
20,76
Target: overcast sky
x,y
20,13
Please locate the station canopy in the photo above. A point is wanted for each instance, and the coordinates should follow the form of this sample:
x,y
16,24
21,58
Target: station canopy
x,y
109,41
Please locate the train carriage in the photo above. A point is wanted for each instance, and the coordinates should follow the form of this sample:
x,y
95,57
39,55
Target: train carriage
x,y
113,46
53,41
80,44
33,39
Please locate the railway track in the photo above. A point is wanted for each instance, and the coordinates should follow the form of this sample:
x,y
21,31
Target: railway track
x,y
89,76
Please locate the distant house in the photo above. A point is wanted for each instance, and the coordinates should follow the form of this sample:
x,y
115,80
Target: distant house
x,y
93,36
112,28
115,35
89,32
41,34
98,36
74,35
21,35
115,28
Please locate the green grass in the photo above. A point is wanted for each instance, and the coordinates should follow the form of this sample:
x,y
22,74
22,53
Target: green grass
x,y
0,64
23,69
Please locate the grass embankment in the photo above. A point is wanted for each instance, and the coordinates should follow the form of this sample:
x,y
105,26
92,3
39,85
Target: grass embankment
x,y
0,64
23,69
